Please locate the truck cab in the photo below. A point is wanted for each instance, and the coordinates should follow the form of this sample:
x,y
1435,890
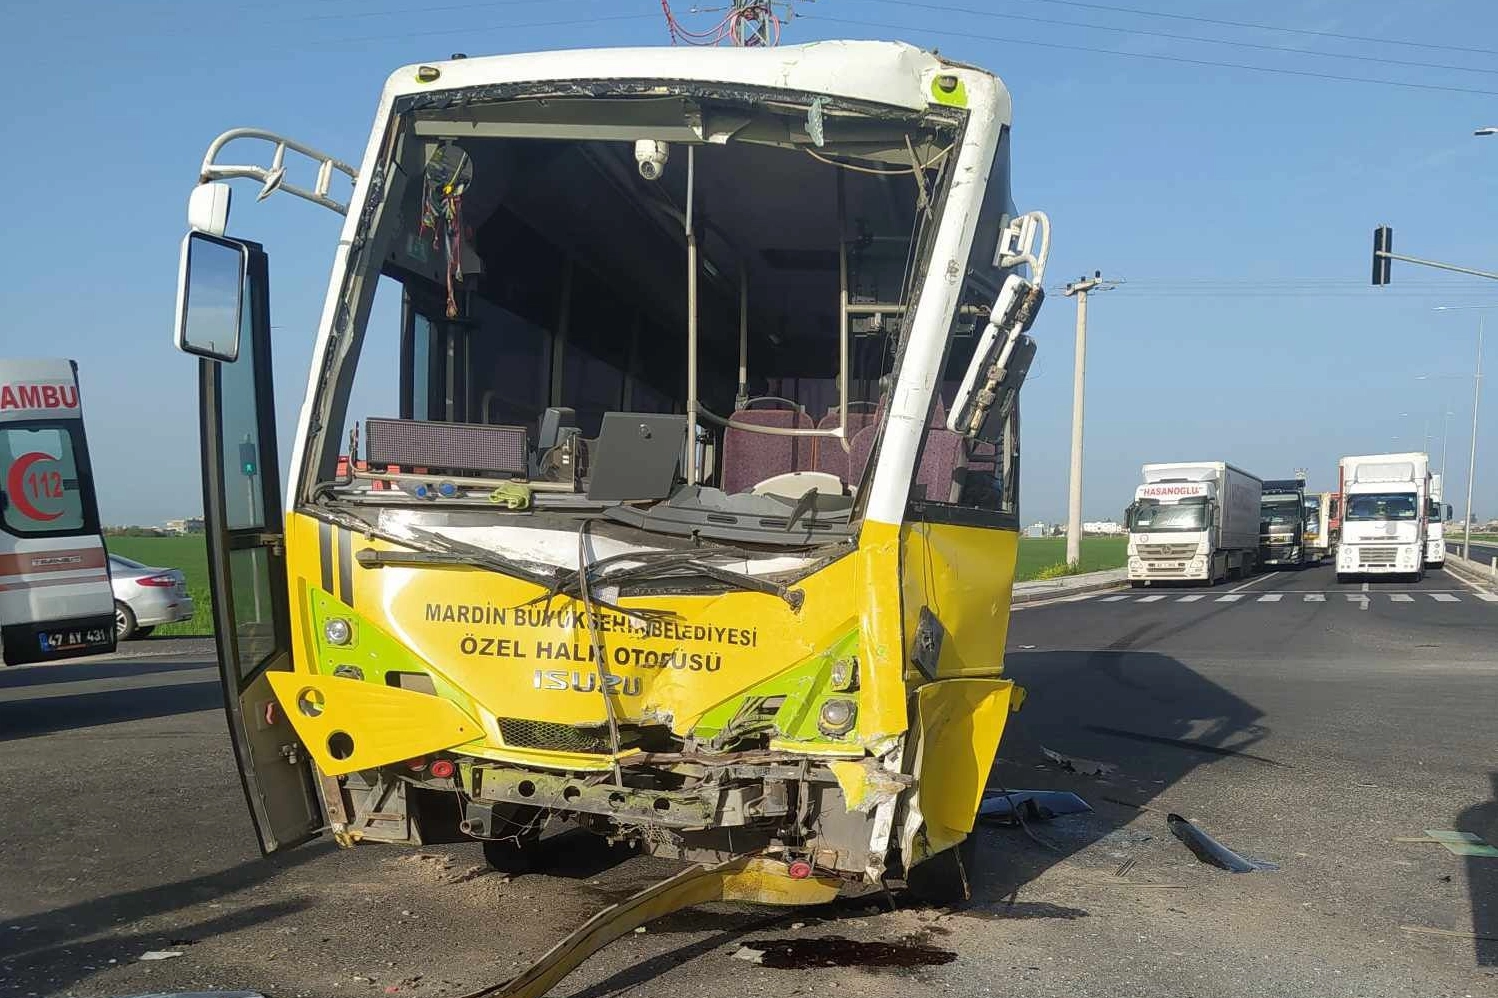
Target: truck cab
x,y
1437,514
1282,524
1190,522
1384,515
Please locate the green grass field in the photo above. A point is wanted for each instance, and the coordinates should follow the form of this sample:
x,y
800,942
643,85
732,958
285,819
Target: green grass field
x,y
1098,553
189,554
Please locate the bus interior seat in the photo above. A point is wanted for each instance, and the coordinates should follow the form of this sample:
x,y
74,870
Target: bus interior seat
x,y
750,457
942,458
830,458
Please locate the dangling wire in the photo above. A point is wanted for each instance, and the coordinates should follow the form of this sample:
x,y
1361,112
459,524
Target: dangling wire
x,y
746,23
600,666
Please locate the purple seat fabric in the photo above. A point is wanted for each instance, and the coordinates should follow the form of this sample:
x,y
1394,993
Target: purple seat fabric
x,y
750,458
942,455
830,458
859,449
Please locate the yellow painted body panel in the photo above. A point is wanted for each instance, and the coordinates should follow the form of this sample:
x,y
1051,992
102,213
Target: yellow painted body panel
x,y
494,651
751,879
501,656
965,575
382,724
960,722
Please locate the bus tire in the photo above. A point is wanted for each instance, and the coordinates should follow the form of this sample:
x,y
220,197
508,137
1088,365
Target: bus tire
x,y
124,622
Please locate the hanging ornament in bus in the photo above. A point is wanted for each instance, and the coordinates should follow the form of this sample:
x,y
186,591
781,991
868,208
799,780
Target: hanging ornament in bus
x,y
448,173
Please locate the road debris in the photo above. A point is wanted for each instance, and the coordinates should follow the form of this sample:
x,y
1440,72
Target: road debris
x,y
1033,805
1427,930
1456,843
1209,850
838,951
1078,765
159,954
201,994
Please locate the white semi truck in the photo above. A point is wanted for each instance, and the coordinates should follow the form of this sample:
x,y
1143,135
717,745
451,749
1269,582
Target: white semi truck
x,y
1193,521
1384,515
1436,515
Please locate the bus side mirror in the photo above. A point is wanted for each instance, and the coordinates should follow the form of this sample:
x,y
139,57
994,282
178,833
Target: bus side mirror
x,y
210,296
1448,511
1000,361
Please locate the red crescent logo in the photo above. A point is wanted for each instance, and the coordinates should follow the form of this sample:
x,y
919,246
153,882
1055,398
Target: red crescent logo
x,y
15,481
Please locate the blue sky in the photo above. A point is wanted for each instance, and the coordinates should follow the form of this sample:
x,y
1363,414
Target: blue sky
x,y
1238,206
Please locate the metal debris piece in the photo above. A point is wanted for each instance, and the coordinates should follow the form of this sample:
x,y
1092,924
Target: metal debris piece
x,y
1209,850
200,994
1426,930
1080,766
159,954
1033,805
1456,843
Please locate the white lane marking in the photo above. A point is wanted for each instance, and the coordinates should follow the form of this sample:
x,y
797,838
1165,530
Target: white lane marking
x,y
1253,582
1112,599
1270,598
1445,598
1190,599
1230,598
1486,597
1315,598
1401,598
1365,587
1150,599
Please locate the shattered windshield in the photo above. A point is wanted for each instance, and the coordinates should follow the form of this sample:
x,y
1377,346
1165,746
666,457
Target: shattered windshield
x,y
577,317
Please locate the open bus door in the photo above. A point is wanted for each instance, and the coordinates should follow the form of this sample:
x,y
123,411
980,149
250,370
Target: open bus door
x,y
224,318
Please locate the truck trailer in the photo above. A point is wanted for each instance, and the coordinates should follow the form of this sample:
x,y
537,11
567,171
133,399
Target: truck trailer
x,y
1193,521
1383,515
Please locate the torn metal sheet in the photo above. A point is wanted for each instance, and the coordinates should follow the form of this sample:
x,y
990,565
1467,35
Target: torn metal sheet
x,y
1032,805
1209,850
866,784
1461,843
1078,765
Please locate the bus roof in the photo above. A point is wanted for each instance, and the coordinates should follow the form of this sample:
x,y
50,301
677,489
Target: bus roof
x,y
891,73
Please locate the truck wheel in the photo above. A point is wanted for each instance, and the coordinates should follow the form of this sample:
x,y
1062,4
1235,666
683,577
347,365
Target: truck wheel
x,y
1343,577
124,622
1136,584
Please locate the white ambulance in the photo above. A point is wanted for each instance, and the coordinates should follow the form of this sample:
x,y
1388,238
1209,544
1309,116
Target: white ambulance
x,y
55,599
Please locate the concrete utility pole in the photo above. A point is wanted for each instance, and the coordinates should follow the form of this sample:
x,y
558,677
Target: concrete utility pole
x,y
1079,288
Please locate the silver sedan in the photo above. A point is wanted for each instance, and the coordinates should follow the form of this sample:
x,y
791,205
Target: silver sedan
x,y
146,596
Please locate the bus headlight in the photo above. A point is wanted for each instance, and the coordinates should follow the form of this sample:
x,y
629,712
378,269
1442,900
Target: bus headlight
x,y
337,631
837,716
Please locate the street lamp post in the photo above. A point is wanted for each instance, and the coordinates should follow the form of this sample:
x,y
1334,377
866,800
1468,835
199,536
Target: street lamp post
x,y
1476,400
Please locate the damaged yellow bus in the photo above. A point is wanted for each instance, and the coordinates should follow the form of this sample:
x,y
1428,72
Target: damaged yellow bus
x,y
658,465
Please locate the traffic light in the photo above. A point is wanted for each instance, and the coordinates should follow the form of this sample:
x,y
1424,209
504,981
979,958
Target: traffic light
x,y
247,459
1383,242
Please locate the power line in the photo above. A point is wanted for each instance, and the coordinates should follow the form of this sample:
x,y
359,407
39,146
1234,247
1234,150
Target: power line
x,y
1305,73
1265,27
1290,49
349,16
472,29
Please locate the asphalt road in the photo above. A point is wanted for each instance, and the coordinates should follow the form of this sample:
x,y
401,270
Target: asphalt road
x,y
1483,552
1304,723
